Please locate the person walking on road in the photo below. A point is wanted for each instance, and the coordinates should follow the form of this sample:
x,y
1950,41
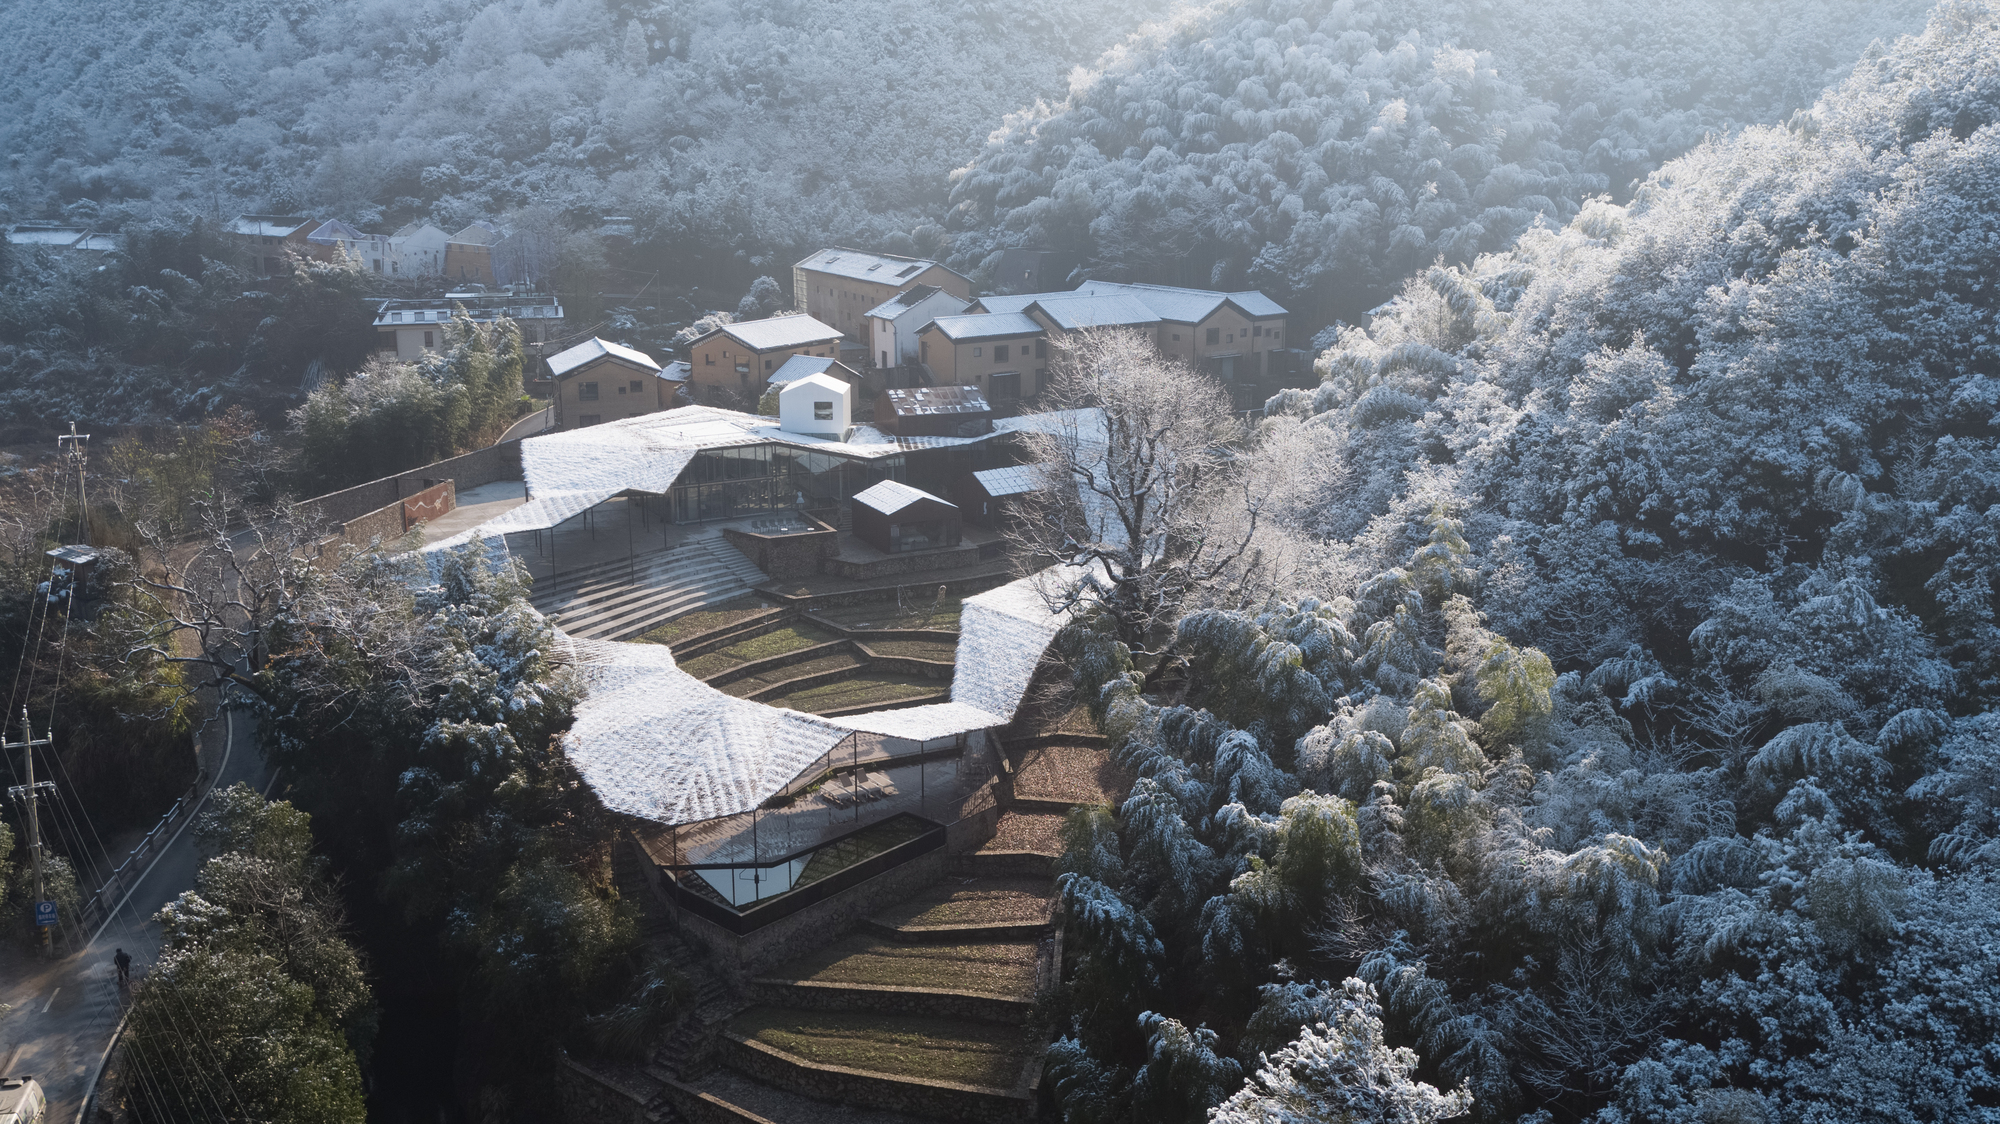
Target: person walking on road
x,y
124,961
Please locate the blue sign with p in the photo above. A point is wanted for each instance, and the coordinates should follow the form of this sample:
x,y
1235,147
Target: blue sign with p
x,y
45,915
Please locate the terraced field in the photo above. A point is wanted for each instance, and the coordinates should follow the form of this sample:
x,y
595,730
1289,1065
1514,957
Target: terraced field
x,y
969,1053
988,967
867,689
974,901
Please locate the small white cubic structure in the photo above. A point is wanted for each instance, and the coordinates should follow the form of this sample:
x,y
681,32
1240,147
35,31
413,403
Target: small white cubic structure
x,y
817,406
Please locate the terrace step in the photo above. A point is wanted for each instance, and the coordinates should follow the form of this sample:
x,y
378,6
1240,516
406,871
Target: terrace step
x,y
616,605
981,981
727,1097
940,1067
961,910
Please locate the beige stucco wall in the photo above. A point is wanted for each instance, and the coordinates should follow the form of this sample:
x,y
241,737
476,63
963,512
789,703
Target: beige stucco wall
x,y
843,302
615,397
716,381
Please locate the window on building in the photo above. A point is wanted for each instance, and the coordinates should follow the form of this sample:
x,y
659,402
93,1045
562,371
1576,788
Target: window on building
x,y
1274,335
999,353
977,352
430,339
1232,337
1258,330
589,419
621,390
767,364
637,386
1177,337
1007,387
923,351
1215,335
708,359
586,392
822,411
1041,349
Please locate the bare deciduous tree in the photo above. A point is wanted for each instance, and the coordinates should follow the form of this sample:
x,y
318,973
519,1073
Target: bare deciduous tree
x,y
1143,486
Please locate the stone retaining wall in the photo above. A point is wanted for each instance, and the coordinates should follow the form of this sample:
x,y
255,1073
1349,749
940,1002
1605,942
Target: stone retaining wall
x,y
790,557
944,1100
811,928
591,1097
466,471
704,1108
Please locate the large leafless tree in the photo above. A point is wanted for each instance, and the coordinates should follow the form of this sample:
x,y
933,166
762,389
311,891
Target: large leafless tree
x,y
1143,485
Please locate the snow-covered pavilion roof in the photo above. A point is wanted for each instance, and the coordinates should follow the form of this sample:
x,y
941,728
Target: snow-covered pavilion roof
x,y
655,742
570,472
1110,310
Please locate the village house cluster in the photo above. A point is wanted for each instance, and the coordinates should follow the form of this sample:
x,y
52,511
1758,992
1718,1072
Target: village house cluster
x,y
882,322
481,254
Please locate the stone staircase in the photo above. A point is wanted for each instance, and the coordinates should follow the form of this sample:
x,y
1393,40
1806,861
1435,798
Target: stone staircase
x,y
923,1014
622,598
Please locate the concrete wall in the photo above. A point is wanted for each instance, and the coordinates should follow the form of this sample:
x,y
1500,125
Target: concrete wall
x,y
466,471
432,502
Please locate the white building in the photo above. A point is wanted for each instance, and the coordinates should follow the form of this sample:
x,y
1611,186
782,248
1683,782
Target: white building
x,y
418,250
408,328
817,406
374,252
894,323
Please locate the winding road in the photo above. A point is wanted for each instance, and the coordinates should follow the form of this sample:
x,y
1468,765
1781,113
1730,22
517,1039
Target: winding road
x,y
63,1014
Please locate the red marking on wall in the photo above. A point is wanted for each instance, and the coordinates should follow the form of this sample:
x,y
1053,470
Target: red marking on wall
x,y
429,504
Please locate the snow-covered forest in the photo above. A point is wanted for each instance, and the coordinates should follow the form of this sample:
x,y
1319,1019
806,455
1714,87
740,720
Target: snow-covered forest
x,y
1609,726
754,124
1323,151
1652,598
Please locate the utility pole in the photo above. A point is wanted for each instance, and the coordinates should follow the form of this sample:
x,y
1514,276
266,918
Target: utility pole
x,y
28,792
77,447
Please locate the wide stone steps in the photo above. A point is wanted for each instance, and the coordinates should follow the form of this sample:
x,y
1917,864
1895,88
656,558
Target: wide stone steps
x,y
724,1096
616,600
948,1068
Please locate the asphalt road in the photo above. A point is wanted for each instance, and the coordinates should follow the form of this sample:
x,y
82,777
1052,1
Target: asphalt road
x,y
61,1014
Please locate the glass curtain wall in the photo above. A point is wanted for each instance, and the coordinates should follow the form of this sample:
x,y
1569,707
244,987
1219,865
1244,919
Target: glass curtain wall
x,y
754,480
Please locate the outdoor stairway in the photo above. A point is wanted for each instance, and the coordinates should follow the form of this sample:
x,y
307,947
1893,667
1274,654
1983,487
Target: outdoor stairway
x,y
924,1013
622,598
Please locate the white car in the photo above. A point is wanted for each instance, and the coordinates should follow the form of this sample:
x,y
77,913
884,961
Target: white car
x,y
21,1101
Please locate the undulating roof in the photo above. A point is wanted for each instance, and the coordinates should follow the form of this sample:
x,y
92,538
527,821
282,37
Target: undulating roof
x,y
890,497
654,742
593,349
1167,302
986,326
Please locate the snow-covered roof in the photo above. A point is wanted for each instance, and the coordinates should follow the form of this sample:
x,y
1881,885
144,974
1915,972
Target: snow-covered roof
x,y
889,269
1002,634
922,401
593,349
799,366
571,471
794,330
46,235
266,226
680,370
986,326
655,742
1110,310
332,231
478,234
1014,481
418,227
1167,302
890,497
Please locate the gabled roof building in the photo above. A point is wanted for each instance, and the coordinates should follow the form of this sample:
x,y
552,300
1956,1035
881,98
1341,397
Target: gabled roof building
x,y
840,286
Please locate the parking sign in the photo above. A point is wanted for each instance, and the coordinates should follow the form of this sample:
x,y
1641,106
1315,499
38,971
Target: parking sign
x,y
45,914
